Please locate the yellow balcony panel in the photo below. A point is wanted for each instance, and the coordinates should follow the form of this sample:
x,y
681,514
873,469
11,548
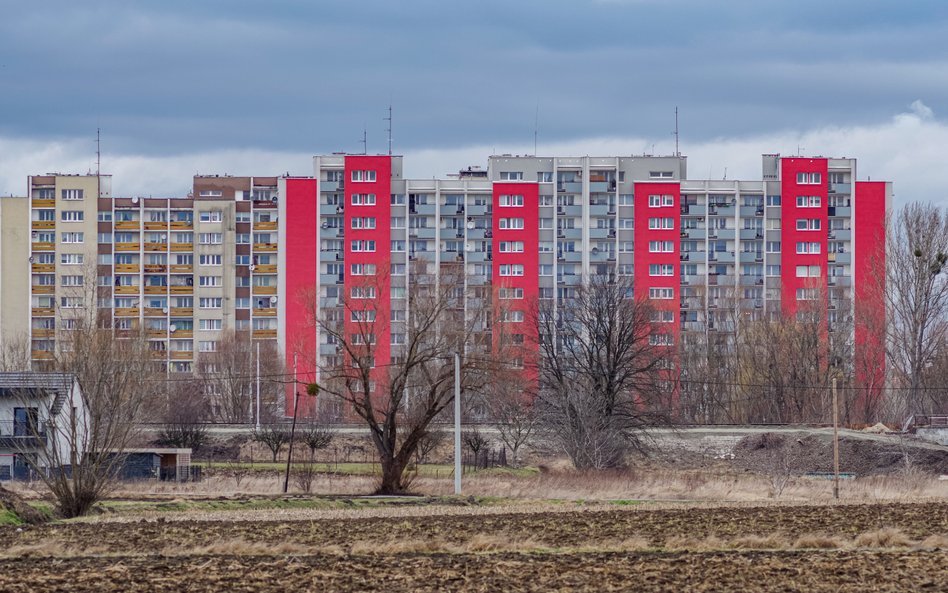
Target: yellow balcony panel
x,y
262,334
126,290
182,290
181,225
126,312
182,247
159,354
156,246
265,226
264,289
154,312
180,269
156,225
44,224
271,312
42,312
264,246
43,267
42,289
181,355
42,355
127,246
156,333
832,257
41,203
43,333
156,290
127,225
126,268
265,269
183,333
155,268
182,311
42,246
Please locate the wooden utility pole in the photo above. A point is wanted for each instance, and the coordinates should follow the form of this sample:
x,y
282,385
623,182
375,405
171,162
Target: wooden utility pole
x,y
835,442
296,406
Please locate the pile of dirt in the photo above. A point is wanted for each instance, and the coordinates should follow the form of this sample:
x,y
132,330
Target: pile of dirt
x,y
800,454
13,503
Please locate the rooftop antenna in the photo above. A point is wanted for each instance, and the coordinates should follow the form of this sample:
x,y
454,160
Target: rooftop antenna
x,y
536,126
677,153
800,150
389,130
365,145
98,164
725,173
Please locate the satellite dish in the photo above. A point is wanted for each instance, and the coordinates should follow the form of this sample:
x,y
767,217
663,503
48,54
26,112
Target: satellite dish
x,y
134,200
172,328
468,246
470,224
31,259
164,310
252,267
273,300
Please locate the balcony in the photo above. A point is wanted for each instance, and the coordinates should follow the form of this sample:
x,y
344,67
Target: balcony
x,y
126,312
43,203
43,333
182,311
751,234
126,290
42,246
265,269
42,312
183,333
155,268
751,211
263,334
157,225
840,188
694,210
182,289
693,233
569,187
156,333
156,246
127,225
43,224
43,267
265,247
270,312
154,312
43,289
182,247
264,290
601,210
265,225
41,355
126,268
182,225
181,268
127,246
181,354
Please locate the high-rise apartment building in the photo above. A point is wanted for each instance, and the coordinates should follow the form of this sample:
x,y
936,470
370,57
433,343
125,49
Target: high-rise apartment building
x,y
264,255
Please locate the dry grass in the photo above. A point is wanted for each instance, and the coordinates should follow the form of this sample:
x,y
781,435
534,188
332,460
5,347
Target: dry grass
x,y
887,537
818,541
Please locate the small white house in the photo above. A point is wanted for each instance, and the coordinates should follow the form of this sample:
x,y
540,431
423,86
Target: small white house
x,y
42,418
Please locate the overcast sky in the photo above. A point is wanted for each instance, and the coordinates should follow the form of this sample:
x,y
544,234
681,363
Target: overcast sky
x,y
241,87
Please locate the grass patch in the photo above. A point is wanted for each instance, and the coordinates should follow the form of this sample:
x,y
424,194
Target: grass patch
x,y
8,517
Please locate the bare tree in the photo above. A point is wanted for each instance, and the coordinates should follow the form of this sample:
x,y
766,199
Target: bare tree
x,y
273,437
15,353
917,298
601,374
399,400
185,414
228,376
510,401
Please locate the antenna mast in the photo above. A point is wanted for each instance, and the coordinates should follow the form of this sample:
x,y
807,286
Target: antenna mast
x,y
98,164
677,152
389,120
365,149
536,126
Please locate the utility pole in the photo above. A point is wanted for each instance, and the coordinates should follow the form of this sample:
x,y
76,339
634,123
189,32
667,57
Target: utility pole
x,y
258,386
835,442
457,423
296,407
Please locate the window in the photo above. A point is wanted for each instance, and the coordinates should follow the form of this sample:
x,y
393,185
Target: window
x,y
511,246
363,175
810,247
70,302
398,199
45,237
210,324
71,194
659,201
660,340
511,270
808,271
211,238
663,316
207,346
210,260
626,199
398,338
360,339
210,302
809,201
363,199
397,315
661,223
210,280
510,293
512,316
544,176
511,200
773,200
73,237
363,315
546,223
363,245
397,269
398,222
773,270
363,269
807,294
363,223
210,193
773,246
626,246
398,247
661,293
71,280
362,292
73,215
546,270
808,224
242,303
661,246
71,258
773,224
511,223
809,178
211,216
243,238
513,175
660,174
661,270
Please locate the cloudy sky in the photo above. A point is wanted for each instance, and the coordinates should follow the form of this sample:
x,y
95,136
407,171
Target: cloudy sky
x,y
234,86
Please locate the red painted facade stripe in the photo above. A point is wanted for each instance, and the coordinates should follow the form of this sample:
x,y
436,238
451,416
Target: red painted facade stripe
x,y
302,268
643,258
790,236
529,258
869,260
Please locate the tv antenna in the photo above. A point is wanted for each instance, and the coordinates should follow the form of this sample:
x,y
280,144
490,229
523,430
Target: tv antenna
x,y
98,152
389,130
536,127
365,145
677,152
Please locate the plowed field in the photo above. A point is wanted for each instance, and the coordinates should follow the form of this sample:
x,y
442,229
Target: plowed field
x,y
693,549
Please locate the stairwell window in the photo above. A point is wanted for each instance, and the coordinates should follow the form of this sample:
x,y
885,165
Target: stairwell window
x,y
809,178
510,200
363,175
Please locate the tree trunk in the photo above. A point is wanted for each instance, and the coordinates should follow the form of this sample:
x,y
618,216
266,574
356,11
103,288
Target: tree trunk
x,y
392,470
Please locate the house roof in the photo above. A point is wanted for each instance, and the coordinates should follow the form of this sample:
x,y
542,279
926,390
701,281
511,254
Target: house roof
x,y
37,385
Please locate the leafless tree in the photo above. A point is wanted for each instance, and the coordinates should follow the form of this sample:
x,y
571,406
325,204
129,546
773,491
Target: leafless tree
x,y
15,354
602,380
475,440
398,402
917,299
228,377
185,414
510,402
273,437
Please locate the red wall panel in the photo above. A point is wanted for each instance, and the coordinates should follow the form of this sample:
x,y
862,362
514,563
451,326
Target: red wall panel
x,y
643,258
790,236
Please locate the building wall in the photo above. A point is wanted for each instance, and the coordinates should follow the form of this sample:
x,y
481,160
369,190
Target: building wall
x,y
791,236
14,261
